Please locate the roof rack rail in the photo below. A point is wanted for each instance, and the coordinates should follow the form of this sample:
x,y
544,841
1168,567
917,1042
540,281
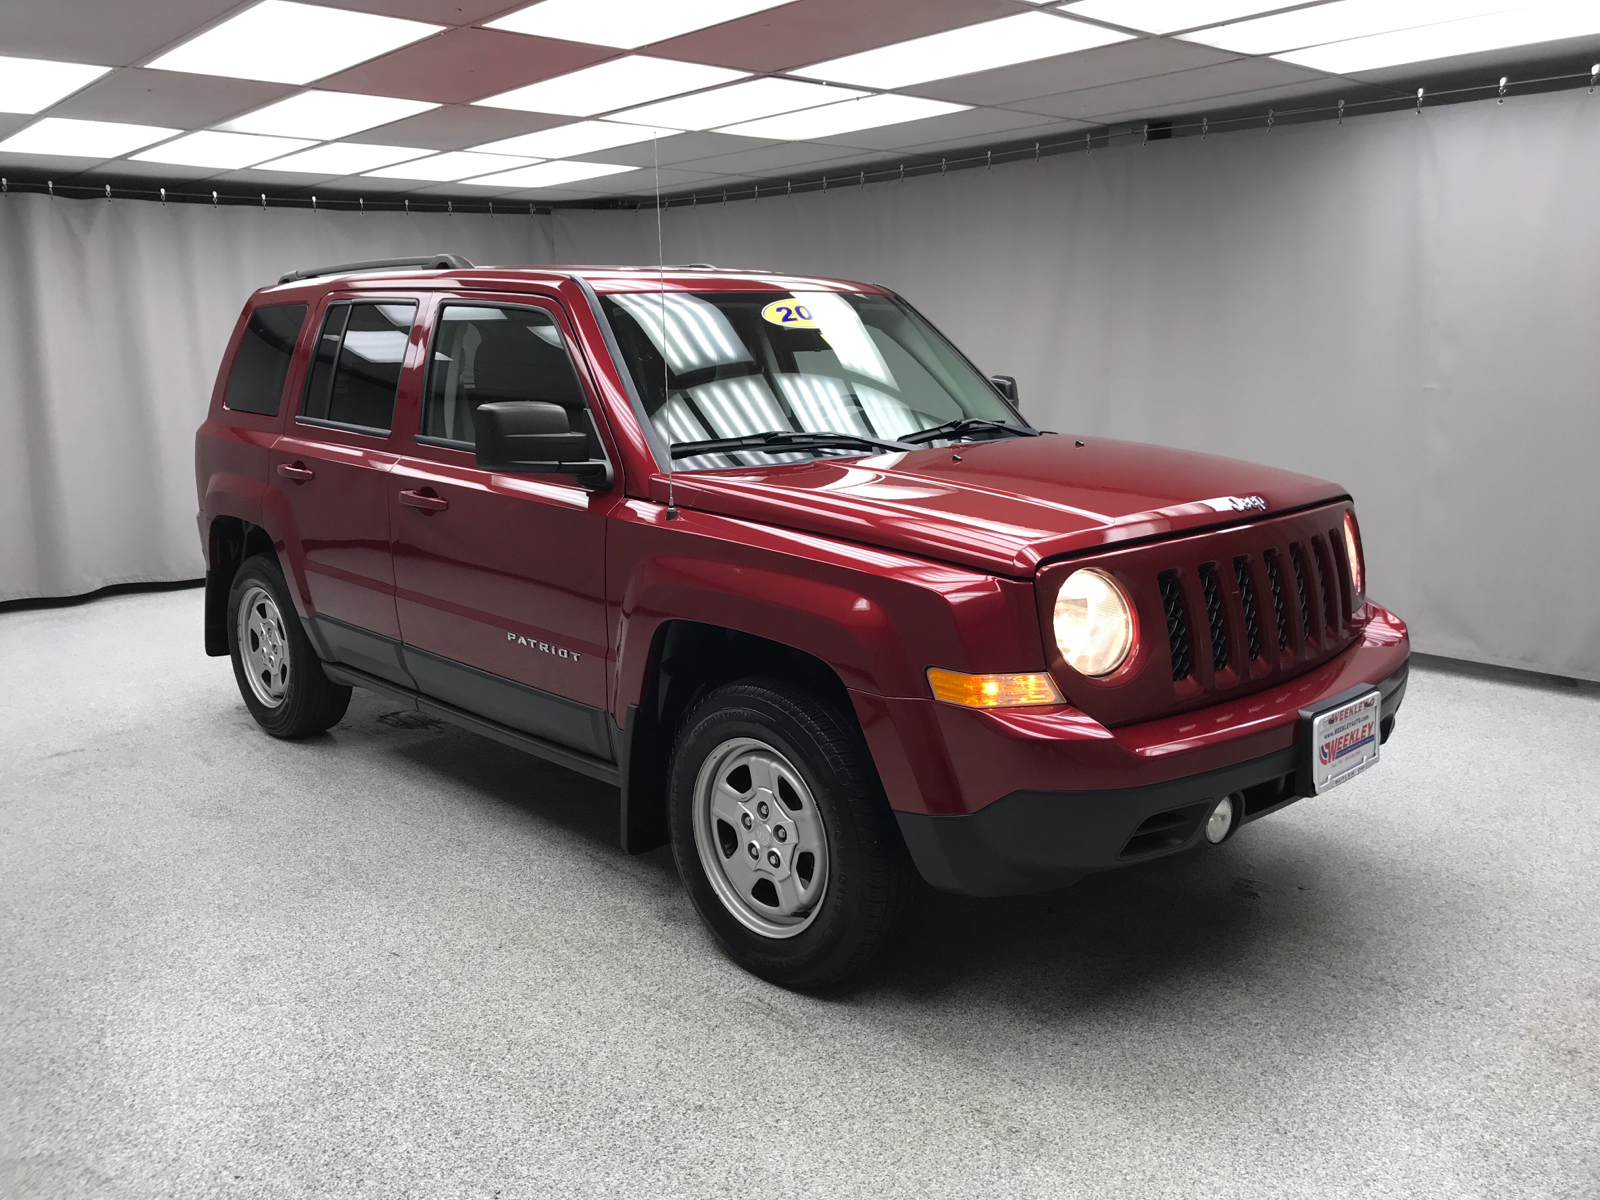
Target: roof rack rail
x,y
428,262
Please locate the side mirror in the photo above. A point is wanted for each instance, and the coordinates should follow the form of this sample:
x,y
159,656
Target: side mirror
x,y
533,437
1007,387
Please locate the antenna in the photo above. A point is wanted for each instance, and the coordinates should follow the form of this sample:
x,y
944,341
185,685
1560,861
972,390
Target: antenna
x,y
661,282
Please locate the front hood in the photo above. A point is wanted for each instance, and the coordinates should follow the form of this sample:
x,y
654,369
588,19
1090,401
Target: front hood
x,y
1002,506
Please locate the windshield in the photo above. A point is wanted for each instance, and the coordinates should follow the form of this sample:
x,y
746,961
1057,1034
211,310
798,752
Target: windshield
x,y
715,365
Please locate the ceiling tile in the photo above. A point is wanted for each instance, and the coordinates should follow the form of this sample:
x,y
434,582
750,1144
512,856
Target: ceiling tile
x,y
437,12
1087,68
812,31
463,65
1157,94
169,98
11,122
1260,99
458,127
94,31
769,161
1045,132
964,126
681,148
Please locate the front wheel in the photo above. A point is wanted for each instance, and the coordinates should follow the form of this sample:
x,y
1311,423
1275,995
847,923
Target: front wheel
x,y
782,834
279,674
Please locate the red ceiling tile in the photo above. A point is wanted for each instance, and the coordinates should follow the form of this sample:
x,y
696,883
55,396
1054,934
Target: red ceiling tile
x,y
812,31
463,65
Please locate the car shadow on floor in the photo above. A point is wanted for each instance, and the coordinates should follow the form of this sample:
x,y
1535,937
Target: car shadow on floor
x,y
1252,905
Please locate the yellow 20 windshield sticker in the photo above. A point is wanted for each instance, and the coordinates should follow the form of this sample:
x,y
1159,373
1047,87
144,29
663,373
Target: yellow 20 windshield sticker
x,y
789,313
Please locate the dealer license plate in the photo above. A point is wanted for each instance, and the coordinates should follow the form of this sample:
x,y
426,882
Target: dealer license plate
x,y
1344,741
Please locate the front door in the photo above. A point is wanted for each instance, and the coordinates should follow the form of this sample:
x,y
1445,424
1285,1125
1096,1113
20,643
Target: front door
x,y
500,579
330,472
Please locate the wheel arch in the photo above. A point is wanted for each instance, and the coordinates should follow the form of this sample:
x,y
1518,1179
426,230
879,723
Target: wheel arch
x,y
686,660
229,541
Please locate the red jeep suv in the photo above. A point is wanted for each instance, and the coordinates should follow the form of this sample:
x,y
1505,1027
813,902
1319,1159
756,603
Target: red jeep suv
x,y
771,556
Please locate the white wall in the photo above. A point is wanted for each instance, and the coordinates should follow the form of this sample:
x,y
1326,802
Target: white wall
x,y
1405,304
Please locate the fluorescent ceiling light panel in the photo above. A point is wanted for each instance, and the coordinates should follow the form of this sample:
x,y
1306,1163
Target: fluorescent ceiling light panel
x,y
1497,31
326,115
282,42
626,24
1167,16
551,174
1022,38
30,85
852,115
344,158
748,101
452,167
82,139
1339,22
608,86
581,137
224,151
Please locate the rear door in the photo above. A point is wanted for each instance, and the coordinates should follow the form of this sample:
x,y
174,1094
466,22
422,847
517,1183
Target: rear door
x,y
501,578
331,469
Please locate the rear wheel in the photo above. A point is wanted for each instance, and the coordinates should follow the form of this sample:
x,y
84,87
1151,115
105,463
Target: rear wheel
x,y
279,674
783,836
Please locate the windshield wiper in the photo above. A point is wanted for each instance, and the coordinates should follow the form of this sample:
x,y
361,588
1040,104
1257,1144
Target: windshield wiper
x,y
776,440
963,425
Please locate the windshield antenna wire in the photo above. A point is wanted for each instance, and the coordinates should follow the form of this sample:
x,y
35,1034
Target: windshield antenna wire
x,y
661,280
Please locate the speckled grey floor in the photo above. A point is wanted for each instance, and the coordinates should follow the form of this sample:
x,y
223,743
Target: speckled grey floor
x,y
401,961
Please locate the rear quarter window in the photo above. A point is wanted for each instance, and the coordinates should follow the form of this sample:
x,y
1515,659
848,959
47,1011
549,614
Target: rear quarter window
x,y
261,365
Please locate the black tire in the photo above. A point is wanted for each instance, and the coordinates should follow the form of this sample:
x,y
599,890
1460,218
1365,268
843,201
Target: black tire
x,y
309,702
869,874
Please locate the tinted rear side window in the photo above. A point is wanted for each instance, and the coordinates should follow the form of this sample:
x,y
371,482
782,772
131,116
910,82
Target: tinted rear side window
x,y
255,384
356,371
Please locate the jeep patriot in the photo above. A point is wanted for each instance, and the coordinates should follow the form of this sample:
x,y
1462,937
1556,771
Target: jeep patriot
x,y
769,555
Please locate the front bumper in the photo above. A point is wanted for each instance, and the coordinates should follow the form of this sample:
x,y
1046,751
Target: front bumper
x,y
1034,839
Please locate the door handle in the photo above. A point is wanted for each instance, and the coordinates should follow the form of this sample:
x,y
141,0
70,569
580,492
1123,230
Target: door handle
x,y
424,500
296,472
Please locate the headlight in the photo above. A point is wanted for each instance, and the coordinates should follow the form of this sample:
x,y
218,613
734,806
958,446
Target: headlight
x,y
1352,552
1093,623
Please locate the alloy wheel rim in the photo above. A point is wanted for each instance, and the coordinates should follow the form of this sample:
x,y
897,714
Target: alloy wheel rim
x,y
760,837
264,646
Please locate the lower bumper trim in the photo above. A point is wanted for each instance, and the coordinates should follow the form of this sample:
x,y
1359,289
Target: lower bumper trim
x,y
1034,841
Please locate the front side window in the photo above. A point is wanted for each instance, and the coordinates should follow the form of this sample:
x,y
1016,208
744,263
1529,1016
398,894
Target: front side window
x,y
355,372
720,365
261,364
482,354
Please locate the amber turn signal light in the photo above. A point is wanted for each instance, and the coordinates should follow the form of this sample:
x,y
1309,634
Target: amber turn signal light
x,y
993,691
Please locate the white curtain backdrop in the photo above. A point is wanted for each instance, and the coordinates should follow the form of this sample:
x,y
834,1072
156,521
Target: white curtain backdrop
x,y
1406,304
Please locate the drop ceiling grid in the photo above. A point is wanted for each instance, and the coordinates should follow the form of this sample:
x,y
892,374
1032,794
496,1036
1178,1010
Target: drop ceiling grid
x,y
466,62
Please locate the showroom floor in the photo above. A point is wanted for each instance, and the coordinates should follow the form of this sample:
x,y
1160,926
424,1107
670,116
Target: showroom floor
x,y
403,961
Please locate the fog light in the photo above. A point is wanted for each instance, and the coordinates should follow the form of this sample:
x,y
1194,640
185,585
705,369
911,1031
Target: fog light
x,y
1220,820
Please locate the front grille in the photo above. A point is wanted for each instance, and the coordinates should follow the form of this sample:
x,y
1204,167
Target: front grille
x,y
1297,559
1219,629
1270,557
1247,597
1222,593
1177,627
